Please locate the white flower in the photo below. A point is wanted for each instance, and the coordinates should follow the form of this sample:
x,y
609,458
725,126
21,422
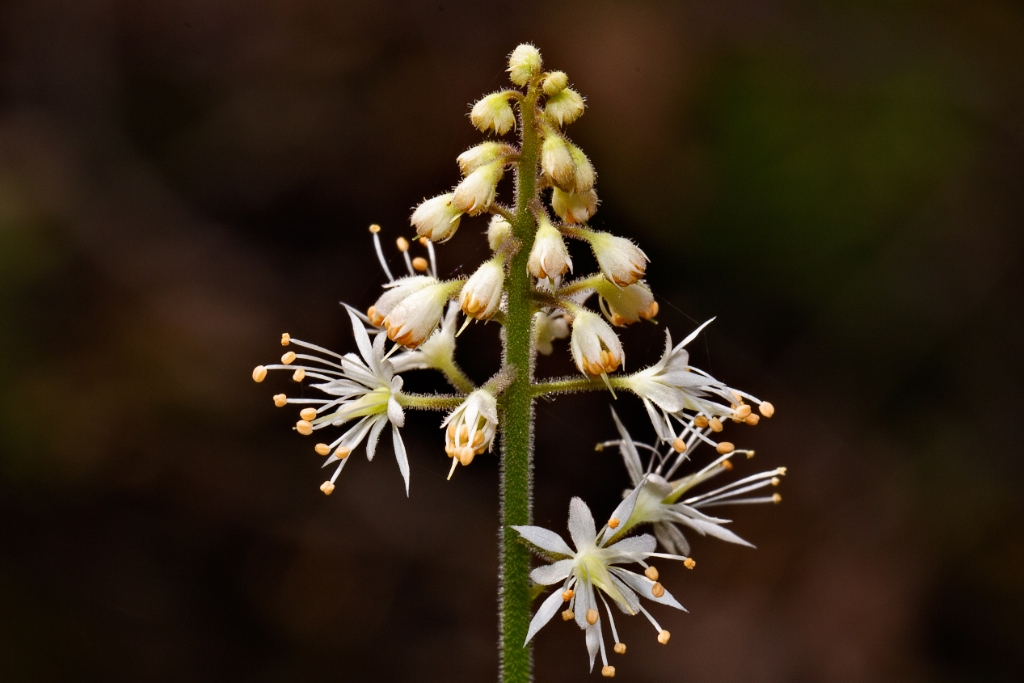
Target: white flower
x,y
620,260
549,256
674,386
481,294
364,388
413,320
564,107
626,305
485,153
547,327
572,207
556,161
475,194
471,428
498,230
493,112
437,352
397,291
555,82
524,63
595,346
437,218
592,566
660,499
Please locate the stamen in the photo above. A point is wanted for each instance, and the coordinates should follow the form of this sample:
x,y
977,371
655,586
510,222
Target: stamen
x,y
752,419
327,487
743,411
568,615
766,409
620,648
308,414
700,421
776,498
608,671
679,446
288,358
322,449
663,637
567,595
750,454
478,439
613,523
402,244
775,481
341,453
455,463
466,455
280,400
420,264
303,427
726,465
689,563
592,616
651,573
725,447
375,229
259,374
299,375
715,424
285,339
780,470
657,590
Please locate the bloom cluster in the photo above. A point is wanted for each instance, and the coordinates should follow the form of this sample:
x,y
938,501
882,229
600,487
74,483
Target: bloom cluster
x,y
415,322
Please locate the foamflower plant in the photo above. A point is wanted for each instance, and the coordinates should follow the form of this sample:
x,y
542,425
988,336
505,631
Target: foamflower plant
x,y
526,287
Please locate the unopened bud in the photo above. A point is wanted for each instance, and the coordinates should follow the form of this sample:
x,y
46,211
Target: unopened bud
x,y
498,230
493,112
572,207
620,260
523,64
437,218
555,82
564,107
557,162
549,256
585,173
475,193
481,294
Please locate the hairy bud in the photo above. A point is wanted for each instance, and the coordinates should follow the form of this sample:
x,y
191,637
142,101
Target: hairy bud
x,y
564,107
523,64
493,113
437,219
574,207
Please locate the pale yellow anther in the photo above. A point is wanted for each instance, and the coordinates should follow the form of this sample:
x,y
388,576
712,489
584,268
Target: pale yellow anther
x,y
466,455
620,648
775,481
286,339
308,414
689,563
450,432
776,498
478,439
752,419
743,411
327,487
341,453
592,616
420,264
568,615
259,373
322,449
679,446
613,523
663,637
280,400
423,241
567,595
449,448
726,465
725,447
299,375
781,470
700,421
464,434
599,447
303,427
374,228
750,454
651,573
716,424
766,409
657,590
402,244
288,358
608,671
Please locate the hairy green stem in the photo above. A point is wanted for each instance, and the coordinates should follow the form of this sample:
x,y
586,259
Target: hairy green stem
x,y
429,401
517,421
568,385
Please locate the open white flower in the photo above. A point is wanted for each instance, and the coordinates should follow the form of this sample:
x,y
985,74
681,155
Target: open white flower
x,y
595,346
364,388
669,503
592,566
471,428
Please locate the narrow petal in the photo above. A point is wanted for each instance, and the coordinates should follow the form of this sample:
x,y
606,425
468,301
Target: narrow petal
x,y
544,539
624,510
362,339
642,585
671,539
374,437
693,335
593,642
629,453
548,609
400,456
630,549
395,413
581,524
552,573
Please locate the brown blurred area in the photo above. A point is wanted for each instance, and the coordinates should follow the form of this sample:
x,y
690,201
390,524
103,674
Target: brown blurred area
x,y
839,182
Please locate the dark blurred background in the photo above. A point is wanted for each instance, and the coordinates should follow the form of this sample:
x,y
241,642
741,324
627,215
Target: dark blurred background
x,y
180,182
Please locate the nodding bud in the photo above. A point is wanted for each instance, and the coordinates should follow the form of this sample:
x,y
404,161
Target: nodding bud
x,y
595,346
556,161
620,260
481,294
549,256
415,318
485,153
470,428
437,218
395,294
574,207
475,194
493,112
627,305
564,107
523,64
585,173
547,327
555,82
498,230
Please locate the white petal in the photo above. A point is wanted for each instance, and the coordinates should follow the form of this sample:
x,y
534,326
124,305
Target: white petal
x,y
630,549
400,456
593,642
629,453
581,524
548,609
642,585
374,437
544,539
584,601
362,339
671,539
552,573
693,335
395,413
624,510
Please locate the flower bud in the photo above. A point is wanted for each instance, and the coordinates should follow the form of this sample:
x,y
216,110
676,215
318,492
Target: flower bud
x,y
548,327
585,174
594,344
555,82
481,294
483,154
470,428
498,230
556,161
414,319
572,207
475,194
396,292
437,219
627,305
620,260
493,112
549,256
564,107
523,64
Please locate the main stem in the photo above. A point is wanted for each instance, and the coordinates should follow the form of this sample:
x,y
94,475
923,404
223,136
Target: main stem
x,y
517,422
